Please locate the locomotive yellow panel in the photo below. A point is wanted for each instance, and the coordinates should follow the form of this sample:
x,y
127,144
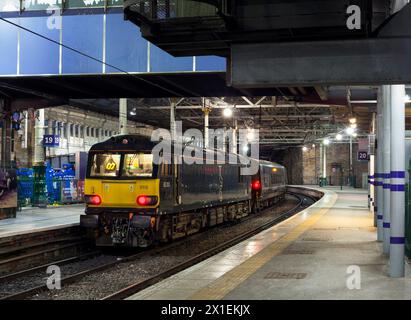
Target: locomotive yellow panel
x,y
123,193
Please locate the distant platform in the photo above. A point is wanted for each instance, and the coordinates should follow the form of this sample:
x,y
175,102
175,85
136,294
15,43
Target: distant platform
x,y
309,256
31,220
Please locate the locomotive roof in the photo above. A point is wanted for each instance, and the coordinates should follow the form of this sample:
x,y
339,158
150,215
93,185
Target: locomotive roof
x,y
144,143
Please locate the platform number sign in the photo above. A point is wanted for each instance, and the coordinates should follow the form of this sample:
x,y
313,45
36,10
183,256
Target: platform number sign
x,y
51,140
363,156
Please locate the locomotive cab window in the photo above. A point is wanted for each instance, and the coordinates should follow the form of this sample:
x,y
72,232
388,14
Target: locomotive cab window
x,y
105,165
138,165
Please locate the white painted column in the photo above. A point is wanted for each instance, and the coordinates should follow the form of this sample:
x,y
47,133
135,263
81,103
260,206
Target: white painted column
x,y
378,175
173,128
321,157
39,154
234,137
351,166
386,168
123,116
371,178
397,234
26,129
206,124
324,161
371,187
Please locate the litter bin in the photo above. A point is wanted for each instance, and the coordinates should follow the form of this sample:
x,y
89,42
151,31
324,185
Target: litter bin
x,y
323,182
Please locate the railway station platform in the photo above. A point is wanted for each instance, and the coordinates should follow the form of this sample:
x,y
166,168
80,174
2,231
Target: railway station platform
x,y
328,251
31,220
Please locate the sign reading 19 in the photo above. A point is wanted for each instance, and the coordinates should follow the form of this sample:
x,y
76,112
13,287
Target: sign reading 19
x,y
51,141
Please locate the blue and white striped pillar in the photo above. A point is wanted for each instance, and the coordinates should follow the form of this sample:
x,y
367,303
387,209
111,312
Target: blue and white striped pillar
x,y
397,240
379,170
386,167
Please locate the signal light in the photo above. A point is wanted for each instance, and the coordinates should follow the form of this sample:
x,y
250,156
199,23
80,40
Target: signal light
x,y
147,201
256,185
94,200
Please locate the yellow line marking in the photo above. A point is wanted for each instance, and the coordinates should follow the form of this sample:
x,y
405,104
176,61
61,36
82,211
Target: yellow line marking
x,y
218,289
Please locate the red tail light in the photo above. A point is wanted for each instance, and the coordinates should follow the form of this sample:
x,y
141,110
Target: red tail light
x,y
256,185
147,200
94,200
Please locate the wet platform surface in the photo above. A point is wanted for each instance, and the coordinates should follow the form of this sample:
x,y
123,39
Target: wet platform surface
x,y
31,220
328,251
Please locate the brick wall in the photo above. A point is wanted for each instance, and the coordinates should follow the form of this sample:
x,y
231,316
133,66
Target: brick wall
x,y
337,157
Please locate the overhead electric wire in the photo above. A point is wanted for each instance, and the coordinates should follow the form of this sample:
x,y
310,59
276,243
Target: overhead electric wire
x,y
90,57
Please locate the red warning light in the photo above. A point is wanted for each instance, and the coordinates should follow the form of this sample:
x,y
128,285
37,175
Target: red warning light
x,y
146,201
256,185
125,141
94,200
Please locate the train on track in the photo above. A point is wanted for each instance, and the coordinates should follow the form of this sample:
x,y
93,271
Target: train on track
x,y
133,202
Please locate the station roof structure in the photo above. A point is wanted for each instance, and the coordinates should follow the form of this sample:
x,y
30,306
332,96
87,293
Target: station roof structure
x,y
146,73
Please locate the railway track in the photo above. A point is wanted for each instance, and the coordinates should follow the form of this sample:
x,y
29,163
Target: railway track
x,y
303,201
138,286
20,254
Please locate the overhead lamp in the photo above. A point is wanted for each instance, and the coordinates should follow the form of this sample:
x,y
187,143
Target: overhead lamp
x,y
355,134
133,112
353,120
305,149
350,131
228,112
339,137
313,145
326,141
354,126
245,149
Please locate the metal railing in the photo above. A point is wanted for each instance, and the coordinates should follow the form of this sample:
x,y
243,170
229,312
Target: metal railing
x,y
168,9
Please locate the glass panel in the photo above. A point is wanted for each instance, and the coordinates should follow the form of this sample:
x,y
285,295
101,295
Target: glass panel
x,y
8,47
70,4
125,47
138,165
105,165
84,33
9,5
211,63
37,55
41,4
161,61
115,3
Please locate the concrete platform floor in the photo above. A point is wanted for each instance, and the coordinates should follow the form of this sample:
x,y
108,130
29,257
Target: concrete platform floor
x,y
31,220
309,256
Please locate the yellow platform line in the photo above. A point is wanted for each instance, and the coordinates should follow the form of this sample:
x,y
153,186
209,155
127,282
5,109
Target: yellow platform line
x,y
218,289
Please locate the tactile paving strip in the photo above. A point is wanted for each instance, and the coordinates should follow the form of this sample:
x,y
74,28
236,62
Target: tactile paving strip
x,y
285,275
